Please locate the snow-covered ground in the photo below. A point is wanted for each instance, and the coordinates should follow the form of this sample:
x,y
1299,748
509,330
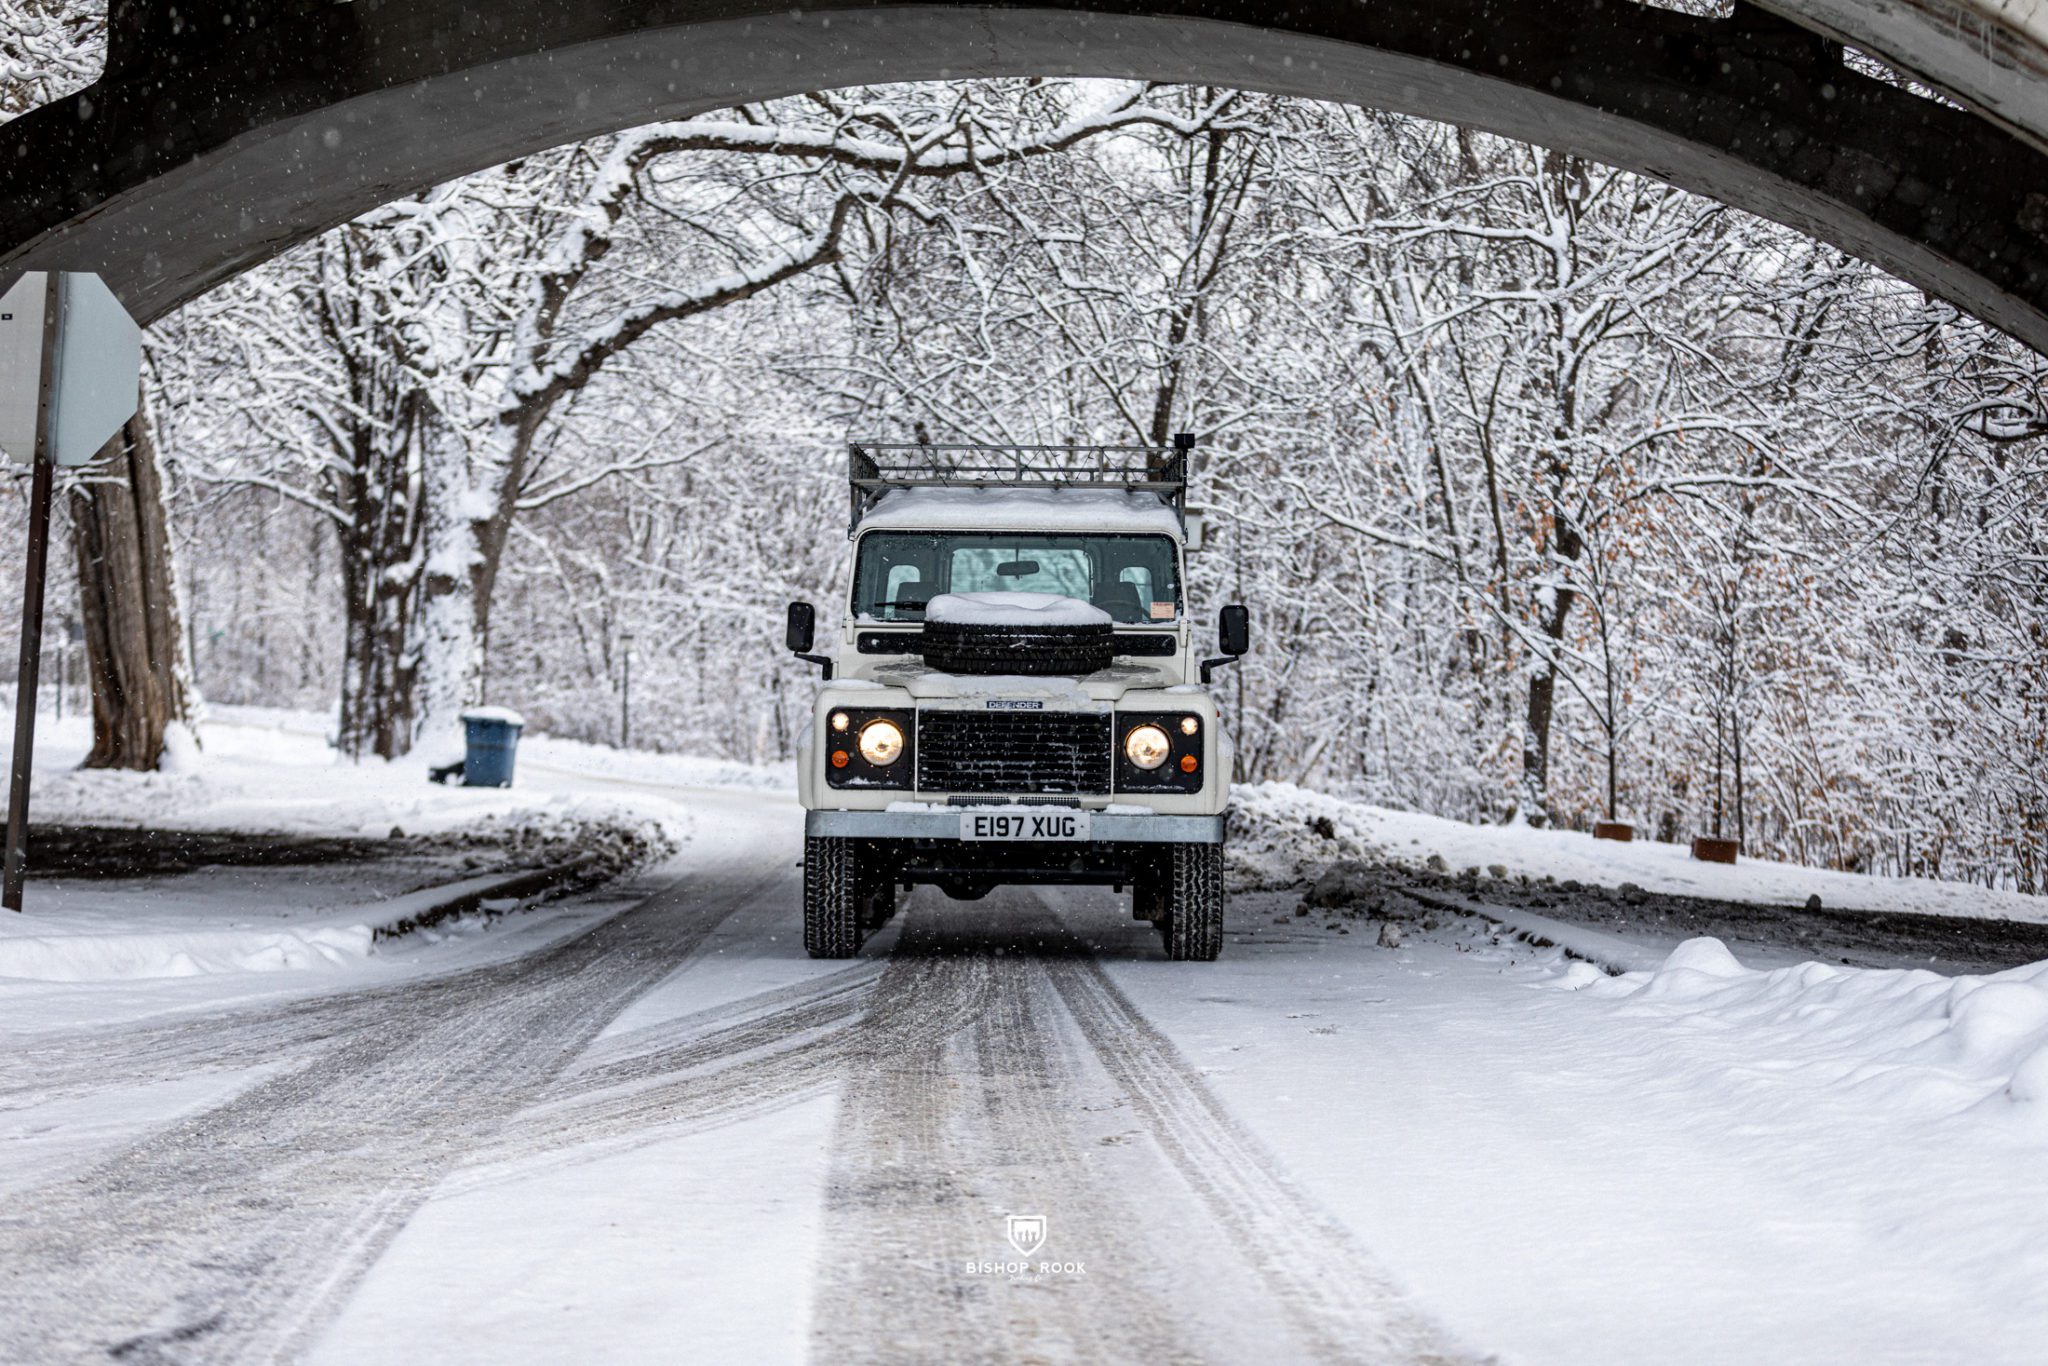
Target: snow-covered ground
x,y
1699,1164
656,1130
302,927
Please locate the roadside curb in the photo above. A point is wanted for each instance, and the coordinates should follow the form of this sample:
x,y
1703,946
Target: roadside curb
x,y
1612,954
419,910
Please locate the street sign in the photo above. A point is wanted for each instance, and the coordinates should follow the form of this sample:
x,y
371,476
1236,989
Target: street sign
x,y
70,365
95,364
21,365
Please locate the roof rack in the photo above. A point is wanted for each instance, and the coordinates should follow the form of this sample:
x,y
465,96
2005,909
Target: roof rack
x,y
874,468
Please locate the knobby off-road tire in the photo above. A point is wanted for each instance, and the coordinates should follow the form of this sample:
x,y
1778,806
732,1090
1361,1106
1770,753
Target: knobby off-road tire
x,y
971,648
832,897
1193,929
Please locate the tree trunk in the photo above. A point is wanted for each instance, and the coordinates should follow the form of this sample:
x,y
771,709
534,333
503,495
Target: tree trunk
x,y
127,590
448,642
378,664
380,574
1542,705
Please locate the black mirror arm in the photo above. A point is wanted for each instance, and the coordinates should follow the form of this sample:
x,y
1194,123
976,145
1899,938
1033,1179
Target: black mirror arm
x,y
822,661
1210,666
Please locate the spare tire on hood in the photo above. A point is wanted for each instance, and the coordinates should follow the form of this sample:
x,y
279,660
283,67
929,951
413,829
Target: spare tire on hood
x,y
1016,633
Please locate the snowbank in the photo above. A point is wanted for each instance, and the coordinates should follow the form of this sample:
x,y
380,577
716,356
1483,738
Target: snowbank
x,y
1914,1041
1013,609
269,771
239,920
188,953
1282,834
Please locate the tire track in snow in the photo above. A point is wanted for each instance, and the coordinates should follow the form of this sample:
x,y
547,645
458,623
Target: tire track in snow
x,y
764,1064
949,1122
235,1234
983,1068
46,1067
1195,1247
660,1051
1335,1293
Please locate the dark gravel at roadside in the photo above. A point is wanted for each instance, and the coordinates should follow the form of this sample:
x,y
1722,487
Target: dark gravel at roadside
x,y
1763,935
108,851
499,843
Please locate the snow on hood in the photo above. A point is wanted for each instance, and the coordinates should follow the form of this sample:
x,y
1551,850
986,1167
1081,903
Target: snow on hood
x,y
1013,609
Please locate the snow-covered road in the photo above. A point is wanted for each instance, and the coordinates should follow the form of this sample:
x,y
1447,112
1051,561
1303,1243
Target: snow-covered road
x,y
664,1134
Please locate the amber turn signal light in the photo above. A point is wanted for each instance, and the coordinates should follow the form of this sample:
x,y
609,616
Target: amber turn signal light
x,y
839,759
1187,763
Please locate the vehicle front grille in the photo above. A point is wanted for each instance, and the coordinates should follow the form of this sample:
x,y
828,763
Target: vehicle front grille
x,y
1018,752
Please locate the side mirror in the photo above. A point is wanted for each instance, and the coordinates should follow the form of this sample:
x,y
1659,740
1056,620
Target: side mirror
x,y
1234,637
1234,630
803,628
802,633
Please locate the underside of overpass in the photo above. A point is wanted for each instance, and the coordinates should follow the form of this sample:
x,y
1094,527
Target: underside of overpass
x,y
221,135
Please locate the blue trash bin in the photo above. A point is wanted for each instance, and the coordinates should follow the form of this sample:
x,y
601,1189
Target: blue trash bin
x,y
491,739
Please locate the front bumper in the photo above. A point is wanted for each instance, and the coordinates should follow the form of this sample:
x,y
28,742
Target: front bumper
x,y
944,824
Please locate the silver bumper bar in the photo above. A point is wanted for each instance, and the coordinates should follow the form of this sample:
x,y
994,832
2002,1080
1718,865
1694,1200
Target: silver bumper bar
x,y
1103,828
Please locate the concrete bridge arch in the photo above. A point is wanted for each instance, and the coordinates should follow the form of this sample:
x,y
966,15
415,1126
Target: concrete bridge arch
x,y
222,134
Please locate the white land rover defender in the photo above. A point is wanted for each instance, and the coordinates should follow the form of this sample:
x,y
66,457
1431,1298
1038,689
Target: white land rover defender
x,y
1012,691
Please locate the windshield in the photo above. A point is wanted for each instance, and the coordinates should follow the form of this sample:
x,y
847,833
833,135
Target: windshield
x,y
1136,579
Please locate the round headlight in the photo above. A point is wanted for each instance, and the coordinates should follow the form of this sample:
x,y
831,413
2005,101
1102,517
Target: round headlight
x,y
881,743
1147,746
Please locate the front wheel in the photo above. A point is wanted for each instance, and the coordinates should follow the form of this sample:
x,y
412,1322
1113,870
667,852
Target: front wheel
x,y
1193,925
832,897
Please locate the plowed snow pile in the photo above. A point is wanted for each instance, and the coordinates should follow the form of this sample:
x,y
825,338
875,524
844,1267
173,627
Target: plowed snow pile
x,y
1927,1044
175,953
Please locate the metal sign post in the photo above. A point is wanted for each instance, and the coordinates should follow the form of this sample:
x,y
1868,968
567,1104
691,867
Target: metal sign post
x,y
70,363
40,488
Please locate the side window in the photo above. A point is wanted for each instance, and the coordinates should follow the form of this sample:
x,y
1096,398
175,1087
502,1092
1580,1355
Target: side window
x,y
893,568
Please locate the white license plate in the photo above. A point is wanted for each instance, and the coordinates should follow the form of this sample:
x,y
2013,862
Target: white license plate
x,y
1024,825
